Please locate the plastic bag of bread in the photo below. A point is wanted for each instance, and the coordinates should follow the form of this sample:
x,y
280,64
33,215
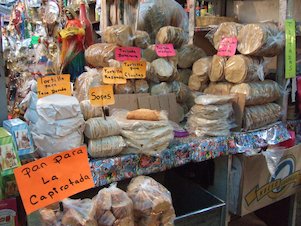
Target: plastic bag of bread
x,y
170,34
144,114
113,207
50,216
262,92
261,39
210,99
163,70
217,69
184,75
141,86
149,54
261,115
152,202
181,90
121,35
219,88
85,81
90,111
106,147
98,55
188,54
127,88
212,112
240,68
99,128
161,89
114,63
198,83
199,79
141,39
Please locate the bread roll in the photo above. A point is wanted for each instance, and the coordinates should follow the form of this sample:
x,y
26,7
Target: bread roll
x,y
169,34
226,29
217,69
141,39
99,127
262,39
99,54
144,114
121,35
219,88
188,54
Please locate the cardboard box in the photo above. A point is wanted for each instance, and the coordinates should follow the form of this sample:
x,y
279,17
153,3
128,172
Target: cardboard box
x,y
252,185
8,155
8,212
166,102
21,134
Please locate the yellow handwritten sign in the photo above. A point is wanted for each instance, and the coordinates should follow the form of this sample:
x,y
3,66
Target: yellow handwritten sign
x,y
102,95
134,69
113,75
51,179
56,84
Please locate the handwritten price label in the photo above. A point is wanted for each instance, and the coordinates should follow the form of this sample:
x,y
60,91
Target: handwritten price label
x,y
127,53
50,180
227,46
165,50
113,75
102,95
134,69
56,84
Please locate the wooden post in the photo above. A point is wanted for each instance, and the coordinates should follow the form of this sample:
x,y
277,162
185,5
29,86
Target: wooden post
x,y
191,7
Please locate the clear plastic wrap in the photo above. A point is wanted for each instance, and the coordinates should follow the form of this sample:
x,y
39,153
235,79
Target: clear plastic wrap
x,y
99,54
29,103
198,81
141,86
163,70
273,156
127,88
262,39
212,112
240,68
121,35
90,111
114,207
184,75
170,34
141,39
182,91
85,81
154,14
262,92
161,89
114,63
188,54
210,99
149,54
152,202
145,114
219,88
106,147
217,69
261,115
99,128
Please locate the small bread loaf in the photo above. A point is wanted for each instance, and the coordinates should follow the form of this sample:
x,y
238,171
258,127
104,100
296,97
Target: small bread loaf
x,y
217,69
141,39
170,34
144,114
226,29
121,35
98,55
188,54
99,127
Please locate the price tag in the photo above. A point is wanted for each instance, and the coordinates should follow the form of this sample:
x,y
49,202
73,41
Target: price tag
x,y
56,84
134,69
128,53
49,180
102,95
290,48
165,50
227,46
113,75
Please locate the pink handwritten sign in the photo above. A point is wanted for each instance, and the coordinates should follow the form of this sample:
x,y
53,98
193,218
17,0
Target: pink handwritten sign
x,y
127,53
165,50
227,46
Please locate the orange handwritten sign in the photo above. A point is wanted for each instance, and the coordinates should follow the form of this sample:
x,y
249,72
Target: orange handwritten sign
x,y
55,84
102,95
51,179
134,69
113,75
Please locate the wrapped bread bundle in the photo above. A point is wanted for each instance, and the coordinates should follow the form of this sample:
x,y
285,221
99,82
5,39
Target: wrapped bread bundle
x,y
99,54
260,115
149,54
106,147
113,207
99,127
141,39
182,91
163,70
198,81
114,63
184,75
141,86
226,29
121,35
48,217
262,92
217,69
170,34
161,89
213,99
152,202
262,39
188,54
90,111
212,112
240,68
127,88
219,88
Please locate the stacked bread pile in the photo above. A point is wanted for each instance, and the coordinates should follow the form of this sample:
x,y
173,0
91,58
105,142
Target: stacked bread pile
x,y
244,73
211,115
152,202
104,137
60,124
144,131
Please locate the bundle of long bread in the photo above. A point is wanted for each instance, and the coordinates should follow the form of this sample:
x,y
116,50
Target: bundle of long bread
x,y
98,55
217,69
89,110
218,88
121,35
170,34
152,202
188,54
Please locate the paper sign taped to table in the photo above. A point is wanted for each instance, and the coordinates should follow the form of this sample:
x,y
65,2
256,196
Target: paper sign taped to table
x,y
227,46
165,50
113,75
134,69
55,84
101,95
54,178
127,53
